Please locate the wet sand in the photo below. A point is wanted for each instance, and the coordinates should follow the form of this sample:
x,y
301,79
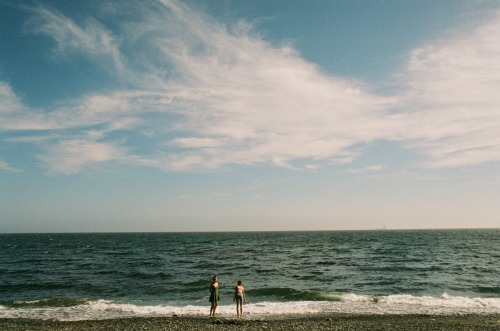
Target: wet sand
x,y
323,322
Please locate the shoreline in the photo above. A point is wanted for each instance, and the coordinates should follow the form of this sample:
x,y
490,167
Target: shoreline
x,y
310,322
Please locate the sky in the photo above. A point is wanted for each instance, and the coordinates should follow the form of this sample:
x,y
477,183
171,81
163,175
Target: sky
x,y
228,115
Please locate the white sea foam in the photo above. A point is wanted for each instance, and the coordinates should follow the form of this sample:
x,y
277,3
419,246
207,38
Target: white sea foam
x,y
348,304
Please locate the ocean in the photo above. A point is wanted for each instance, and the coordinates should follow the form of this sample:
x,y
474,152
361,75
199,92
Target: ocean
x,y
116,275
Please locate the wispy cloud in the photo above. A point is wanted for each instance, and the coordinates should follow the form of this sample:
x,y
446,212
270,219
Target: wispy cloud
x,y
13,114
204,95
4,166
369,169
91,39
245,101
70,156
453,91
236,99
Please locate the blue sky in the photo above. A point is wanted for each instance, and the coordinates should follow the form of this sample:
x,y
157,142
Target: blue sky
x,y
249,115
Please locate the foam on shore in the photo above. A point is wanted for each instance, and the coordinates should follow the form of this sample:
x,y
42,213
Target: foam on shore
x,y
341,304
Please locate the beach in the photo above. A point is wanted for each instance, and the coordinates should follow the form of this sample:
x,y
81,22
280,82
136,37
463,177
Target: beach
x,y
323,322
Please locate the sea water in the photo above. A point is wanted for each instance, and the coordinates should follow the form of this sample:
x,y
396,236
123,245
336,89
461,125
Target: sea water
x,y
110,275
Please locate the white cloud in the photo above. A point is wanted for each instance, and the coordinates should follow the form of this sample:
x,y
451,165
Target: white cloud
x,y
9,102
4,166
245,101
237,99
204,96
93,39
72,155
197,142
14,115
373,168
453,89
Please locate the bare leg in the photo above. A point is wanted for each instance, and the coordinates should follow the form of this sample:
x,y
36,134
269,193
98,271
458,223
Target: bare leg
x,y
212,309
239,304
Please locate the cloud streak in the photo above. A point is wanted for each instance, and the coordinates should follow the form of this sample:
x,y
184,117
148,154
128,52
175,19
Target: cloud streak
x,y
453,88
4,166
91,39
205,96
69,156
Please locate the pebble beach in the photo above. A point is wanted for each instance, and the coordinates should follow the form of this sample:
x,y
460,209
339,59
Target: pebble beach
x,y
313,323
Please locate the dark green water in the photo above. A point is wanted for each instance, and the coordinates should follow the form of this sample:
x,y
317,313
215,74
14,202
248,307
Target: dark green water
x,y
107,275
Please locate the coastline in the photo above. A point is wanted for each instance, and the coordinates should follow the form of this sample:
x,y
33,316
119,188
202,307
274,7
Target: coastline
x,y
311,322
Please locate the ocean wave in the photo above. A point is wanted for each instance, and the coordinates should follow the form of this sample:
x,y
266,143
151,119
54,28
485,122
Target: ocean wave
x,y
340,304
149,275
53,302
488,289
290,294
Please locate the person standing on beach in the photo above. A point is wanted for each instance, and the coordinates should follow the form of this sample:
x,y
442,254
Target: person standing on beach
x,y
240,297
214,296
